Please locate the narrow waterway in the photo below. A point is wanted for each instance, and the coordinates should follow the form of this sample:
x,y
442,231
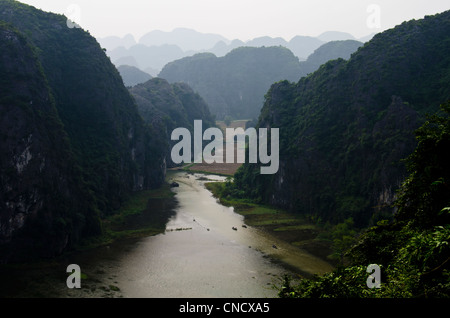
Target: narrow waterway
x,y
201,255
205,252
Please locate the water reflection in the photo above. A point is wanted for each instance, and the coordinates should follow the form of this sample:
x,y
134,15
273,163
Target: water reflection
x,y
199,255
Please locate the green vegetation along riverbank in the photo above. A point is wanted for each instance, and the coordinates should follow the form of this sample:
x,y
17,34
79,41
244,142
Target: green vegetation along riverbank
x,y
413,250
145,213
291,228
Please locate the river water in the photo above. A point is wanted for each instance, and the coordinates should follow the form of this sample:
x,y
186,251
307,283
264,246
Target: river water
x,y
199,255
208,258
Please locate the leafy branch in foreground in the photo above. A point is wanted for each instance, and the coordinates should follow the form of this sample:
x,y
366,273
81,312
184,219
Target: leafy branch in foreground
x,y
412,251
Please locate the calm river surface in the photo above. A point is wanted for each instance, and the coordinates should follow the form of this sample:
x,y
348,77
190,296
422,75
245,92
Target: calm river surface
x,y
205,259
210,259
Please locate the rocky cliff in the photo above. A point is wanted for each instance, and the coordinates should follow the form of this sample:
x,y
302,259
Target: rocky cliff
x,y
345,129
40,190
73,143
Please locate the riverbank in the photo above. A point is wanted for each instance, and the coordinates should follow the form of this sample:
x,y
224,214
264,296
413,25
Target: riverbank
x,y
285,226
144,214
288,227
221,169
133,219
199,247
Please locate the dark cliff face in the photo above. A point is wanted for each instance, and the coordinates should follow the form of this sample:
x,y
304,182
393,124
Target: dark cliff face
x,y
39,189
73,143
345,129
98,113
362,178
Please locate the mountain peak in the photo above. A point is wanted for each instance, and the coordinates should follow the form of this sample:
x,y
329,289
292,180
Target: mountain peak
x,y
335,36
186,39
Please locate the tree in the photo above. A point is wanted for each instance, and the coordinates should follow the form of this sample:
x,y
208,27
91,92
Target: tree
x,y
413,251
427,189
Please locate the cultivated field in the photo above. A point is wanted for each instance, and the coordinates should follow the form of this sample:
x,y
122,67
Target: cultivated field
x,y
221,168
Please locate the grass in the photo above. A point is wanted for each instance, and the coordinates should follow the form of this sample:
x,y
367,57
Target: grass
x,y
289,227
43,278
300,227
118,225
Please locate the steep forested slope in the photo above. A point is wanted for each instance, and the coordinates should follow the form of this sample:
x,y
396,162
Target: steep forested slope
x,y
236,83
345,128
93,126
40,190
329,51
412,251
172,106
131,75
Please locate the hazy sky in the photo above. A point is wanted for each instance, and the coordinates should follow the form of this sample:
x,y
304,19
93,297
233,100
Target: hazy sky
x,y
241,19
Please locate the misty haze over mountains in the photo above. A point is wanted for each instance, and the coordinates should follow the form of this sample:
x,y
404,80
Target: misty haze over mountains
x,y
157,48
88,169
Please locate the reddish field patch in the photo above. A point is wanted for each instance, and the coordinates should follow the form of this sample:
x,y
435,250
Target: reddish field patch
x,y
221,168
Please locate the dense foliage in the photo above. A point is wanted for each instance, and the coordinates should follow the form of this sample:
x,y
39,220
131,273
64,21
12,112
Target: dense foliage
x,y
108,148
413,251
327,52
75,142
39,192
171,106
426,191
345,129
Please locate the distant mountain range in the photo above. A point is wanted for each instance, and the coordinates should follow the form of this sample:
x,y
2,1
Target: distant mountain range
x,y
157,48
235,84
132,76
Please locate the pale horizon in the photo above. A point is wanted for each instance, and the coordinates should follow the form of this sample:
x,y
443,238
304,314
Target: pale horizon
x,y
238,19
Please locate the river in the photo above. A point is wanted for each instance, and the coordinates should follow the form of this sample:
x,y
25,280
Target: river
x,y
199,255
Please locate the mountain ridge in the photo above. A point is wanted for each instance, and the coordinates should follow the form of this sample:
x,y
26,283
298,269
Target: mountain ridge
x,y
107,142
234,85
172,106
345,128
301,46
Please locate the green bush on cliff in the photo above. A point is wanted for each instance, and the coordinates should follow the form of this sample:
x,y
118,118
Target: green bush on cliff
x,y
412,251
345,128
